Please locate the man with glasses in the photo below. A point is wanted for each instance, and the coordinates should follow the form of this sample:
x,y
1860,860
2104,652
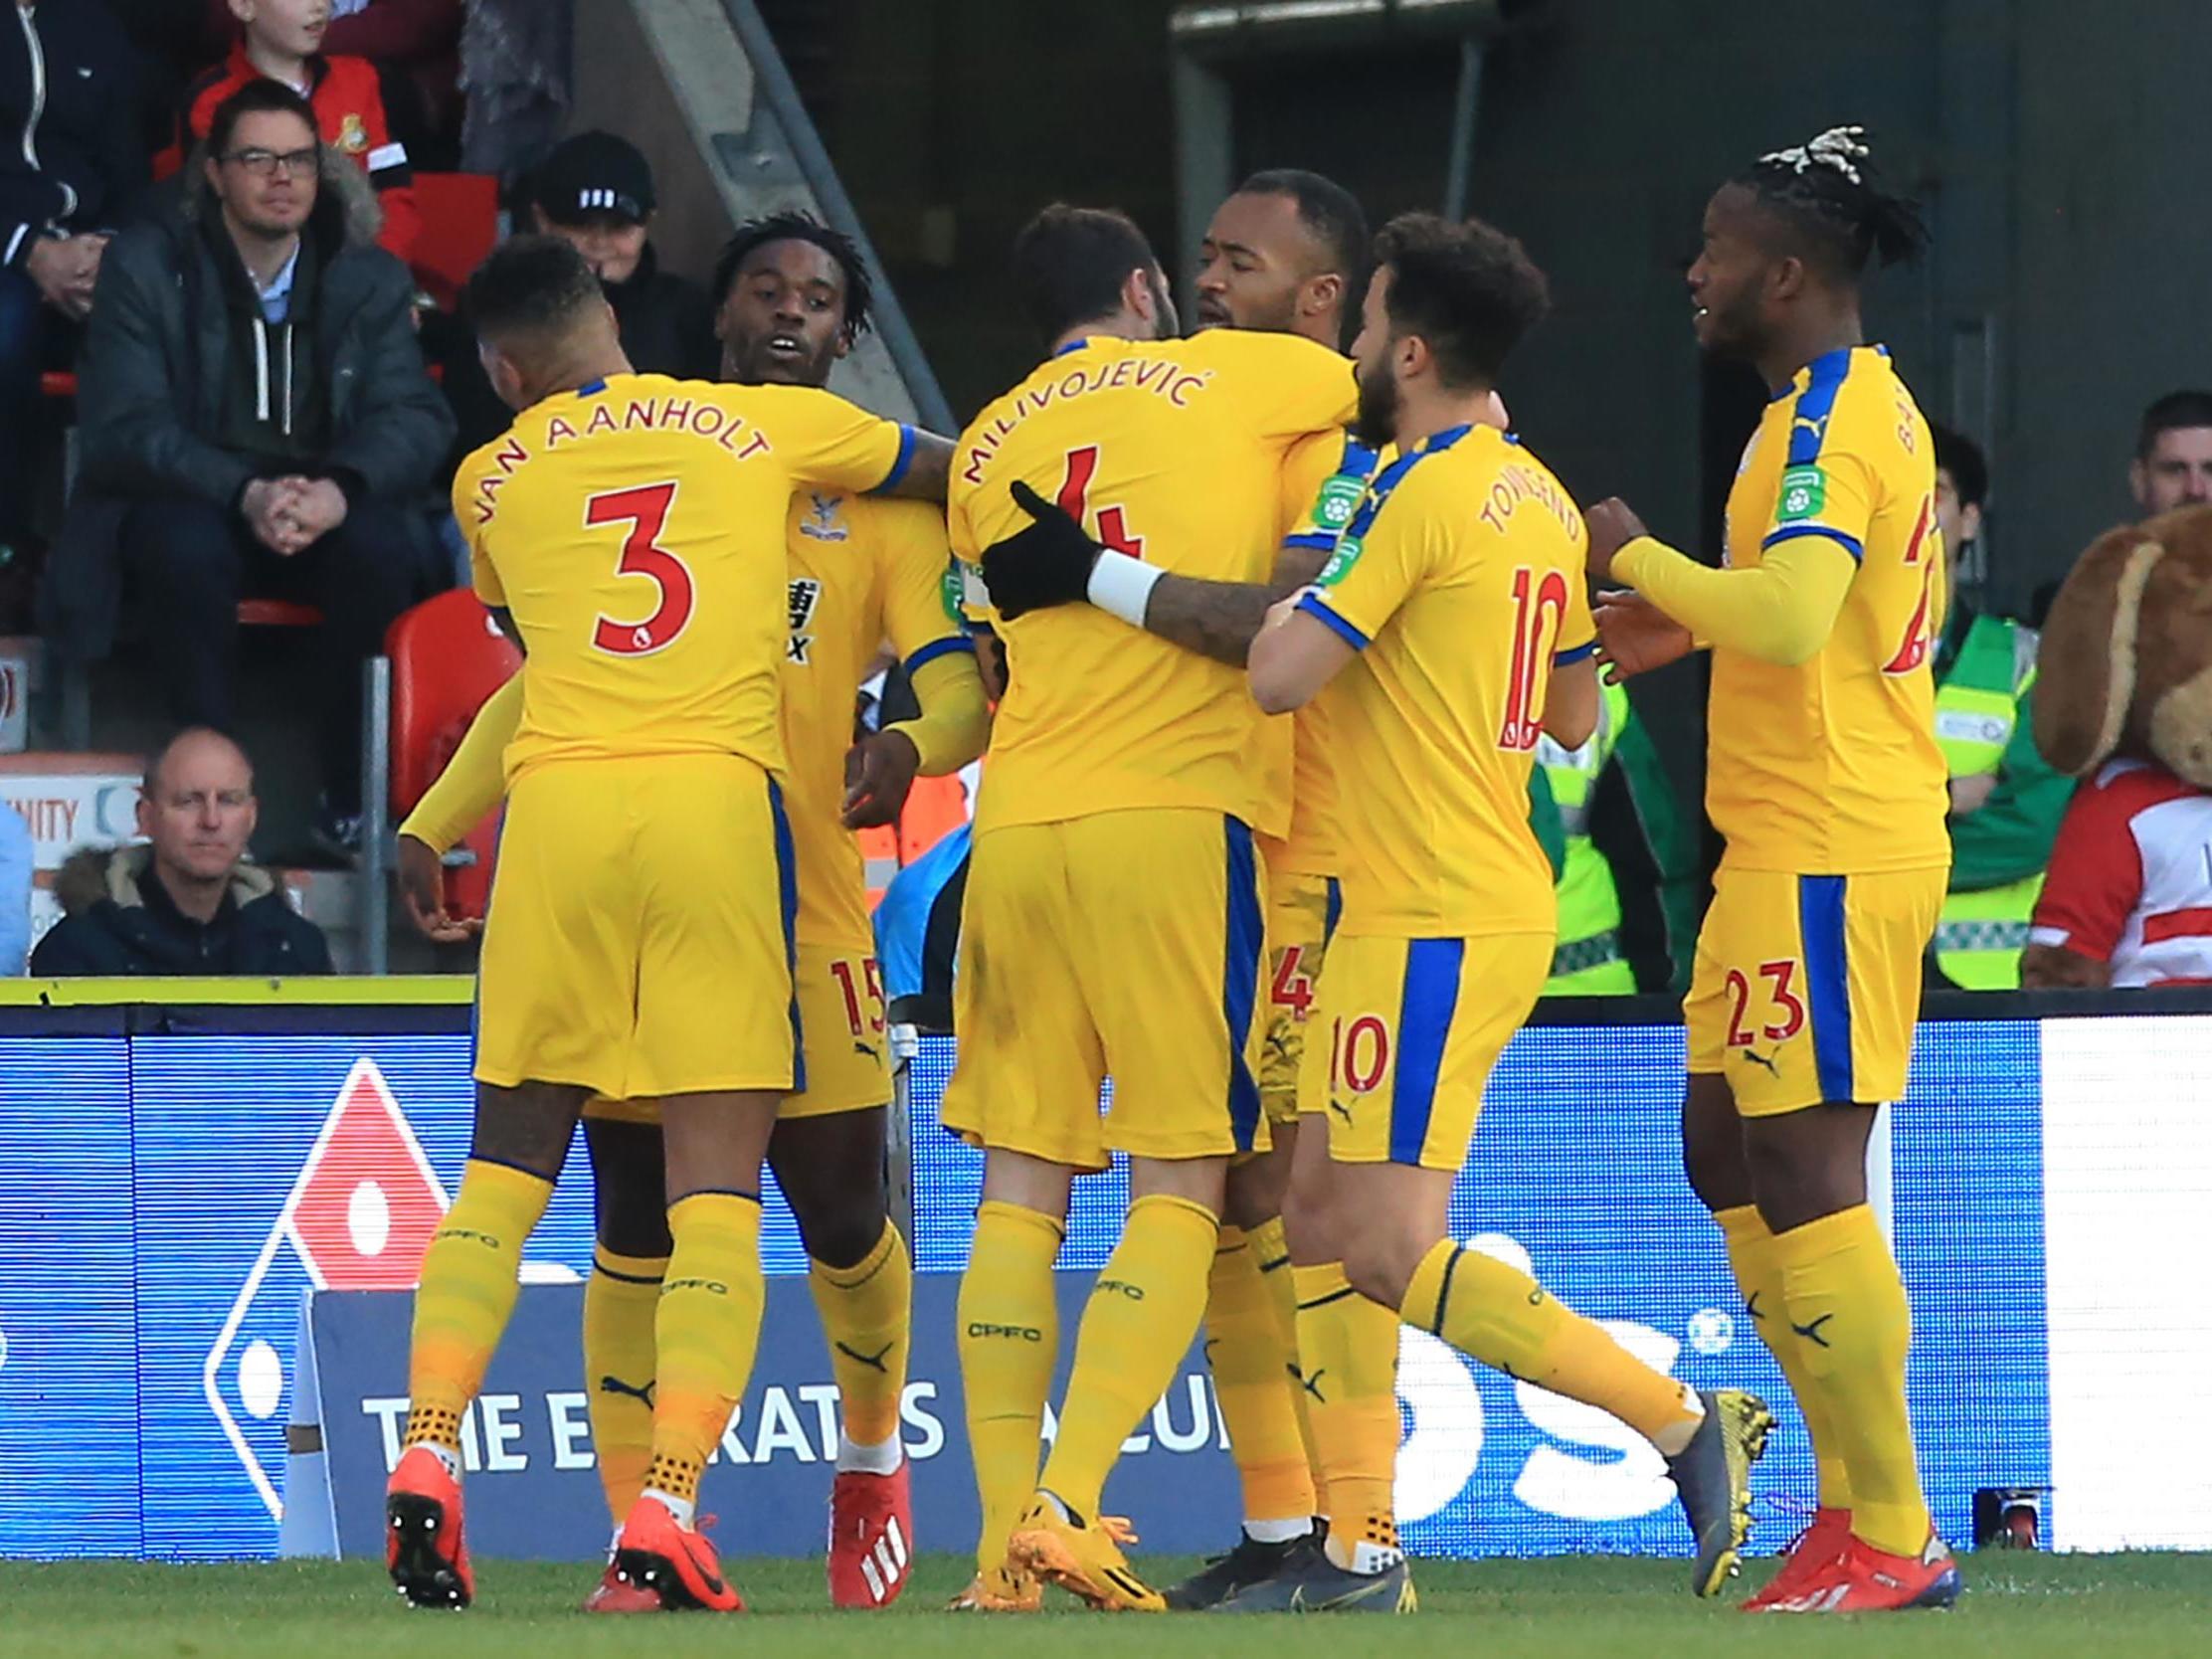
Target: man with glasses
x,y
252,396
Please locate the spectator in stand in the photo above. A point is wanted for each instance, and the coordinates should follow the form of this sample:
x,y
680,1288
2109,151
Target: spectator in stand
x,y
186,902
416,39
2174,454
252,393
594,191
70,172
2005,800
280,40
2128,902
17,855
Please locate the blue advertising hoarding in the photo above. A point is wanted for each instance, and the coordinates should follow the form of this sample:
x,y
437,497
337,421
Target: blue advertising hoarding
x,y
169,1199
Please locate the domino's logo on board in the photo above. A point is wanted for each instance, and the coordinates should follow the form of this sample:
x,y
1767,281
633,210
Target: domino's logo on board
x,y
359,1216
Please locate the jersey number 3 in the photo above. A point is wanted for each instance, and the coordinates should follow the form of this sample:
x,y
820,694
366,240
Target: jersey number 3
x,y
646,510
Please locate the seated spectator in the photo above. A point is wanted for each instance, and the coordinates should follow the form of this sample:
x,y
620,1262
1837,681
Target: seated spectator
x,y
186,902
594,191
70,170
17,853
2174,454
2129,898
253,397
280,41
418,39
2006,799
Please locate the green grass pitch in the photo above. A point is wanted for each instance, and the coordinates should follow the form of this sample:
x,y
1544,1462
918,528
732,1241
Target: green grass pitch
x,y
2016,1604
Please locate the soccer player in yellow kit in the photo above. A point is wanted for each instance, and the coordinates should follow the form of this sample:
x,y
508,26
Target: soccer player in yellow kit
x,y
640,940
1454,610
1113,912
1823,776
793,296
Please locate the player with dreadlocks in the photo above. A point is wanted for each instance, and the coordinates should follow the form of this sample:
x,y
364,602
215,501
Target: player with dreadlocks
x,y
1824,777
791,298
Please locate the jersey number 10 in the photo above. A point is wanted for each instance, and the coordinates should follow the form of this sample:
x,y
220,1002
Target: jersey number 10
x,y
1538,613
646,510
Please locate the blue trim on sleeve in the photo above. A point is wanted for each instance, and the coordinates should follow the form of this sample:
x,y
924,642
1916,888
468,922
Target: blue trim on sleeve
x,y
1820,927
1240,979
1424,1020
1312,606
900,463
1792,532
1314,541
1560,659
938,648
1808,420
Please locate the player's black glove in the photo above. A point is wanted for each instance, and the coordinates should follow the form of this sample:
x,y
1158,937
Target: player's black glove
x,y
1048,563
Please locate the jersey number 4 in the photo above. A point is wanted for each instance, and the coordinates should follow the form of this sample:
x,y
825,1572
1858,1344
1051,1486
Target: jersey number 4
x,y
1538,613
646,510
1074,500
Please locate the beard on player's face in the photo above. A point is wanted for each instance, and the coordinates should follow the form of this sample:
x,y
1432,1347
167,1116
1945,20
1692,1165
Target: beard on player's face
x,y
1375,424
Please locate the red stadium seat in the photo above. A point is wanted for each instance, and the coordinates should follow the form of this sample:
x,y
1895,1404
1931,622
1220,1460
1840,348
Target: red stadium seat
x,y
447,658
461,223
58,383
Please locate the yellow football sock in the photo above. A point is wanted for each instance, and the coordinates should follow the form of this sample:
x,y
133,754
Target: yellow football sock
x,y
865,1315
1758,1274
621,1301
1008,1327
1137,1326
705,1334
1251,1379
1272,1254
466,1293
1846,1305
1498,1315
1348,1347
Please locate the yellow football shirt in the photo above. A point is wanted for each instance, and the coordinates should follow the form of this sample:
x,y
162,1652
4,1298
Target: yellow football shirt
x,y
1172,451
862,570
634,529
1831,767
1459,580
1329,499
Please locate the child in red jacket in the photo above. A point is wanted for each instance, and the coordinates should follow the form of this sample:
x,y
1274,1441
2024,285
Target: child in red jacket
x,y
280,41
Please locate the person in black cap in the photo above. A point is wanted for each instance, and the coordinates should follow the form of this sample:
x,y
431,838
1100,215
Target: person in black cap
x,y
594,191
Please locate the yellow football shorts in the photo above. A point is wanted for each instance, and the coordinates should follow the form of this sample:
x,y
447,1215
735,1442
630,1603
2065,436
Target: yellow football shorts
x,y
1124,943
639,937
1302,914
842,1052
1415,1028
1806,988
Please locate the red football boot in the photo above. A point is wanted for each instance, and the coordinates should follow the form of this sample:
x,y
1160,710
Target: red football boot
x,y
422,1545
673,1563
1816,1546
616,1594
871,1538
1862,1580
